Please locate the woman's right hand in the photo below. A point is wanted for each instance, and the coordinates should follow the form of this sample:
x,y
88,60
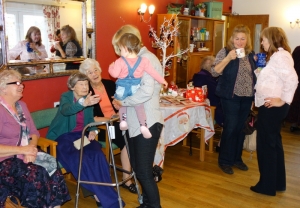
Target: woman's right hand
x,y
231,55
91,99
29,150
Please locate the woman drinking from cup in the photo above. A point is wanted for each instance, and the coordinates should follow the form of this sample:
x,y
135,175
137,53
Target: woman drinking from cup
x,y
235,65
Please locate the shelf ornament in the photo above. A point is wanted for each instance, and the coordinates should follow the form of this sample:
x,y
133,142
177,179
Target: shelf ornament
x,y
169,29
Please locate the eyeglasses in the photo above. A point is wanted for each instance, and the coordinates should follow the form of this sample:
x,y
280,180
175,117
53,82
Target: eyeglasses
x,y
16,83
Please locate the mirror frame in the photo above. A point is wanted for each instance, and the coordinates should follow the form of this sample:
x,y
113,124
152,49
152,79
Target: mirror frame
x,y
51,73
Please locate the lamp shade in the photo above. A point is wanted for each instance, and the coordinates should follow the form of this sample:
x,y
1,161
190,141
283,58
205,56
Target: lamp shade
x,y
143,8
151,9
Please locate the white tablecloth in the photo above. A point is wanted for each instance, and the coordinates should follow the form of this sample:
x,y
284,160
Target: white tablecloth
x,y
180,119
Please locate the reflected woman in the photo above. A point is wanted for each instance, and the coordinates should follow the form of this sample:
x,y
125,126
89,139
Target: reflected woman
x,y
69,46
29,49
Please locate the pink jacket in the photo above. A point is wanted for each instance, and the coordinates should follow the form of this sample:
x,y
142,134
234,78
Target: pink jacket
x,y
120,70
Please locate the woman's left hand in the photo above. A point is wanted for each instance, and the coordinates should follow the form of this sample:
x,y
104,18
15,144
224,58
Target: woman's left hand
x,y
92,135
273,102
117,104
29,158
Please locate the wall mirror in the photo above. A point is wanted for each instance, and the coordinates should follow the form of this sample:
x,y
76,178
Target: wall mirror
x,y
48,16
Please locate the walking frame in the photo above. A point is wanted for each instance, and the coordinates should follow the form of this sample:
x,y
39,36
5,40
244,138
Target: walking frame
x,y
112,164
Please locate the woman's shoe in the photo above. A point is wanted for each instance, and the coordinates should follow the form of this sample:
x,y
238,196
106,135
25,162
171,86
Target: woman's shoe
x,y
99,205
130,188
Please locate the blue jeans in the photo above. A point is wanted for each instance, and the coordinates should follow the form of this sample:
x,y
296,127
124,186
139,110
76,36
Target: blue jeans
x,y
142,152
235,111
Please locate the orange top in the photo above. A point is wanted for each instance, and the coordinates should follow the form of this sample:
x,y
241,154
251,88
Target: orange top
x,y
105,104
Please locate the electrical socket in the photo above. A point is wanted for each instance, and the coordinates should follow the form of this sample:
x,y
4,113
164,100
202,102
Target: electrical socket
x,y
56,104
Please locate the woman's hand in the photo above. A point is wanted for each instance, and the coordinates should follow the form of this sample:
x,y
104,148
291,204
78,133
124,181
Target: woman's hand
x,y
117,104
57,45
273,102
91,100
231,55
29,158
32,46
30,152
92,135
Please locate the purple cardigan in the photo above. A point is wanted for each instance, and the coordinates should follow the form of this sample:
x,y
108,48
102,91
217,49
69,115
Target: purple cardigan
x,y
10,129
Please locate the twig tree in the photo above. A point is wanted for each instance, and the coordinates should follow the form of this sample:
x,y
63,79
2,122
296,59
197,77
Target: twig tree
x,y
169,29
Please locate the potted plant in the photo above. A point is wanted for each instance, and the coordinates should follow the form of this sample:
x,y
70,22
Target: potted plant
x,y
202,8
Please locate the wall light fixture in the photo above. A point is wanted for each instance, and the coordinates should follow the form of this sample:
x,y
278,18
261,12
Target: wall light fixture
x,y
297,22
142,10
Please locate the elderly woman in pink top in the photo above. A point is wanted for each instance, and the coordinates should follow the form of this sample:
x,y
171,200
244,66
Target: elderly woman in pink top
x,y
129,69
275,88
29,49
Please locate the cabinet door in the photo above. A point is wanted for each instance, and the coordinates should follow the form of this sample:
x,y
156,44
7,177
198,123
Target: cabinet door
x,y
218,36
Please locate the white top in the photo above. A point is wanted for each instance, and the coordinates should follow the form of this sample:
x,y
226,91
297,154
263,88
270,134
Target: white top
x,y
277,79
21,49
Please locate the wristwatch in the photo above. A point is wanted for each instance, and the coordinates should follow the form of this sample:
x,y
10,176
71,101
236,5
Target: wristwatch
x,y
81,101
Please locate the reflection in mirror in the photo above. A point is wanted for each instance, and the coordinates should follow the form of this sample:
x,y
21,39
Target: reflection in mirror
x,y
48,16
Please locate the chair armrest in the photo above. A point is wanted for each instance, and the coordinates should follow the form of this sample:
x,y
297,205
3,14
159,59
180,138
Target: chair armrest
x,y
44,143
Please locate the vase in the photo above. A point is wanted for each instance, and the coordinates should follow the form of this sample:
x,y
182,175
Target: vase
x,y
201,12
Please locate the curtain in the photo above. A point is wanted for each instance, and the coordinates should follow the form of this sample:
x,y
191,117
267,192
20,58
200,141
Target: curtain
x,y
52,17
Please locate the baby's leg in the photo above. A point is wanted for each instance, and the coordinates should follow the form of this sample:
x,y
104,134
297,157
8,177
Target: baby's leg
x,y
123,118
140,111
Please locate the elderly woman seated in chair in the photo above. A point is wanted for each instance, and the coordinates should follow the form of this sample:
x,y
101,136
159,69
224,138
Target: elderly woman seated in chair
x,y
204,77
74,113
25,173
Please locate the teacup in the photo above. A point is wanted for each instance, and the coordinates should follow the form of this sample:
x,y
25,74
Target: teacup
x,y
240,52
192,46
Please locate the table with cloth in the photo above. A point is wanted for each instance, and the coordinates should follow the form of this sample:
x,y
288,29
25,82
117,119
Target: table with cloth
x,y
181,116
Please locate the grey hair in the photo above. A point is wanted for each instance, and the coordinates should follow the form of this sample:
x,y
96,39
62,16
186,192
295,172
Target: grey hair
x,y
204,65
87,64
5,75
74,78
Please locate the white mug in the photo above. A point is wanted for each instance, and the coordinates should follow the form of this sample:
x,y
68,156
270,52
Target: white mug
x,y
192,46
240,52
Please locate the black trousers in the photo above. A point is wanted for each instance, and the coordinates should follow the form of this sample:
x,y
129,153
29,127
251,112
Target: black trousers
x,y
142,152
270,155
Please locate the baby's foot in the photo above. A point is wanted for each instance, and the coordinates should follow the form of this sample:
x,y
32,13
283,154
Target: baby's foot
x,y
146,133
123,125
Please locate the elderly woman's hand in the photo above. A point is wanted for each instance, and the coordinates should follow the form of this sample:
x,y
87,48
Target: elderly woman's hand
x,y
92,135
117,104
91,100
30,152
29,158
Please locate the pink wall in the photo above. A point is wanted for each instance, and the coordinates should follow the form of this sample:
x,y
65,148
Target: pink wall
x,y
111,15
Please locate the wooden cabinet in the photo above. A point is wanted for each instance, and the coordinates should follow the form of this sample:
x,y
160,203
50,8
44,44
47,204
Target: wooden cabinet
x,y
185,66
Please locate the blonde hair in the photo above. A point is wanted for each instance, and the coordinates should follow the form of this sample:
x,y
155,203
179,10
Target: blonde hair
x,y
5,75
125,29
70,32
277,38
87,64
240,29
